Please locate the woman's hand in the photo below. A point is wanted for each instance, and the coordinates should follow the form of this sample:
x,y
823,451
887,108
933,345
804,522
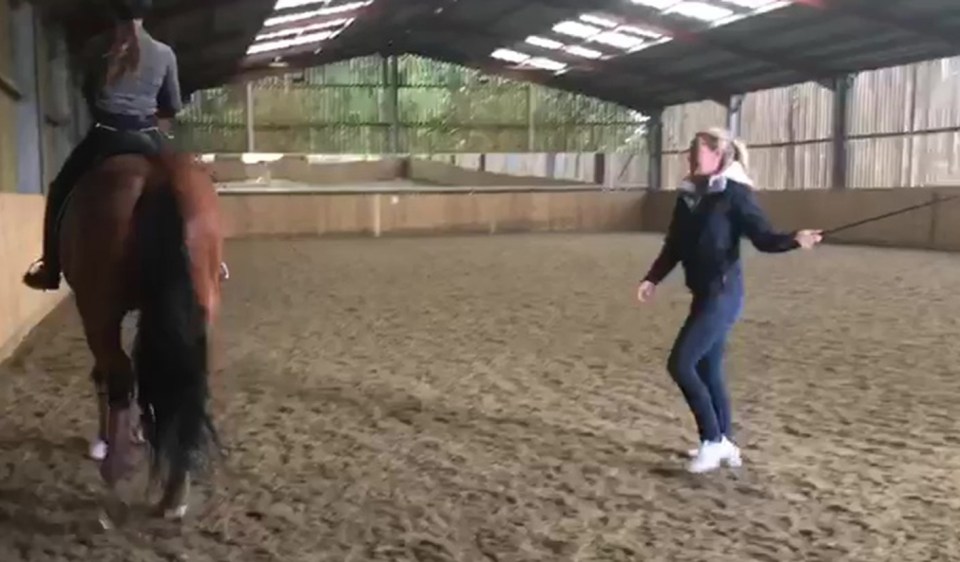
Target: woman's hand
x,y
646,291
808,238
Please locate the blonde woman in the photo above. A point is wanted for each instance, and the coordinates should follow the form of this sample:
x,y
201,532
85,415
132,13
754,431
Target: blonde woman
x,y
714,209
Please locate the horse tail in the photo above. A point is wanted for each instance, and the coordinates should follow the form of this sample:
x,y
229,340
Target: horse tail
x,y
171,355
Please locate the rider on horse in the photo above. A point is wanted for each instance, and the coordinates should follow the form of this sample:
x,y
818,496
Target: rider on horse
x,y
125,86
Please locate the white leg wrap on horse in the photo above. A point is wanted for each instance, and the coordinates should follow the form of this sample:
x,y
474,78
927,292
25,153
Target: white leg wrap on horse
x,y
177,513
98,450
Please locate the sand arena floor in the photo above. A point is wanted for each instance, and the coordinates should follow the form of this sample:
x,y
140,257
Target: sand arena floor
x,y
503,399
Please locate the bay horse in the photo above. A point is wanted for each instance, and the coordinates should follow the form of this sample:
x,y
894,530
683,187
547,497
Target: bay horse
x,y
141,232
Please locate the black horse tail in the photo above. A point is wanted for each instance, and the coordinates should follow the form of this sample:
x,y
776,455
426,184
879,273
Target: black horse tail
x,y
171,352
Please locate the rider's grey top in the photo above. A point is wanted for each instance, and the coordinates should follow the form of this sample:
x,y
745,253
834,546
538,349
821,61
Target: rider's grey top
x,y
155,84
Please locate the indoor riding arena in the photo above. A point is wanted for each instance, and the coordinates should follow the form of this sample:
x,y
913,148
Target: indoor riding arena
x,y
437,216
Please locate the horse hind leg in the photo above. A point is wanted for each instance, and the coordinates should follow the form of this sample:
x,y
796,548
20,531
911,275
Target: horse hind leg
x,y
176,495
114,378
118,462
137,431
115,398
98,447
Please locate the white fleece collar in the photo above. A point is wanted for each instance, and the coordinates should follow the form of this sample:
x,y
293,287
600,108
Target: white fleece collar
x,y
717,183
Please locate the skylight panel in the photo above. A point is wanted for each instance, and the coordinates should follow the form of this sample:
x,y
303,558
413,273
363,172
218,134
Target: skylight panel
x,y
287,43
341,22
639,31
510,55
648,44
296,23
584,52
776,5
714,12
598,21
611,31
544,42
546,64
658,4
328,11
701,11
286,4
576,29
619,40
750,4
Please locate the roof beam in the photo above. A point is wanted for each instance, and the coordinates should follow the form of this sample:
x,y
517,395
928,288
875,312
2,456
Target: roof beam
x,y
705,88
88,23
279,54
921,27
539,77
187,7
316,20
207,65
209,42
310,56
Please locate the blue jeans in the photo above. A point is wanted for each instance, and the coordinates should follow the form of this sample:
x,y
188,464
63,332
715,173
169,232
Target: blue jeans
x,y
696,361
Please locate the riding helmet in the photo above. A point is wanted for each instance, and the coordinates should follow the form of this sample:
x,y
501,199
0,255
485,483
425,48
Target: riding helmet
x,y
126,10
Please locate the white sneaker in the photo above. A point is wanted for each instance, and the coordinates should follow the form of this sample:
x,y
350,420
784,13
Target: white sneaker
x,y
692,453
734,460
711,455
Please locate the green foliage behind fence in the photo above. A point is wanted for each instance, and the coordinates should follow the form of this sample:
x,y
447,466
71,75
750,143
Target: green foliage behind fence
x,y
343,108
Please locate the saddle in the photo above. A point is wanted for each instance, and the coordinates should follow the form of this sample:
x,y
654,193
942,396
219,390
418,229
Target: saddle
x,y
116,142
146,142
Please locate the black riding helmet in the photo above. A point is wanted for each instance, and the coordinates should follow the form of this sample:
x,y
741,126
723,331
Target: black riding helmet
x,y
126,10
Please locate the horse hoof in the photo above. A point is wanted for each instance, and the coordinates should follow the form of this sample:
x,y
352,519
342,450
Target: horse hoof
x,y
113,512
105,522
98,450
176,514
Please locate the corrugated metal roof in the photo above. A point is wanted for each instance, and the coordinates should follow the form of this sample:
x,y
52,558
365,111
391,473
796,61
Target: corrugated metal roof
x,y
640,53
644,53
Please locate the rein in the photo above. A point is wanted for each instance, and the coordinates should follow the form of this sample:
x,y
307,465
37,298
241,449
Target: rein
x,y
850,225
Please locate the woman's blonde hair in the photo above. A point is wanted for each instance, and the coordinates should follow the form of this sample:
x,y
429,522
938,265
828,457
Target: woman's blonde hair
x,y
734,149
